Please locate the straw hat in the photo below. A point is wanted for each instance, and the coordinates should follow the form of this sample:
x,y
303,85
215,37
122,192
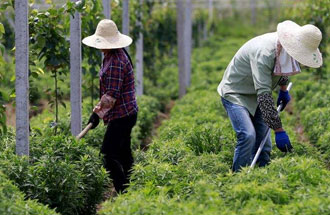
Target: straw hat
x,y
301,42
107,36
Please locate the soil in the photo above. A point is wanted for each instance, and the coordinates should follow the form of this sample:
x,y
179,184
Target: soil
x,y
11,114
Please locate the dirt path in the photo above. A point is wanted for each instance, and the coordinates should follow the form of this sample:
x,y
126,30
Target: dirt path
x,y
34,110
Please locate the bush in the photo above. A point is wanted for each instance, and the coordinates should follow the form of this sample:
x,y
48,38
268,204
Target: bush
x,y
61,172
12,201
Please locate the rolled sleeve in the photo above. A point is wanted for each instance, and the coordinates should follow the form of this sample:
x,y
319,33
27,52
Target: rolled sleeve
x,y
261,72
114,79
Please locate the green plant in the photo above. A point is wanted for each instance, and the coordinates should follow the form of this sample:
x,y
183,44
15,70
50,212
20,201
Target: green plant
x,y
65,174
314,12
12,201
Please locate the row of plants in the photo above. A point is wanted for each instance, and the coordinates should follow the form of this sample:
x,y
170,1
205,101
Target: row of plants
x,y
61,172
13,200
187,168
312,91
312,103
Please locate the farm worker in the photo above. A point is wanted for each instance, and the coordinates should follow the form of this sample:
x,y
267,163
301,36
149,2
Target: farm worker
x,y
117,106
257,68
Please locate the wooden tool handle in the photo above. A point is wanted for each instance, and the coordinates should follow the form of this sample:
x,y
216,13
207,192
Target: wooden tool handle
x,y
83,132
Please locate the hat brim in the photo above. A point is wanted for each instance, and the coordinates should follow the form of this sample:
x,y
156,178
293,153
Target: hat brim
x,y
287,35
98,42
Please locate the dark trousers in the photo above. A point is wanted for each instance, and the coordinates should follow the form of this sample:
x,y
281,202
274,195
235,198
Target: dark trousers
x,y
116,148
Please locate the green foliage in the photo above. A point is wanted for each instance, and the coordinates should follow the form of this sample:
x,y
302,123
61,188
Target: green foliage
x,y
314,12
12,201
148,112
49,45
65,174
187,168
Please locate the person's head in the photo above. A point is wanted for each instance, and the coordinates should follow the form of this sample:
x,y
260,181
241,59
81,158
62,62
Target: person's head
x,y
107,37
301,42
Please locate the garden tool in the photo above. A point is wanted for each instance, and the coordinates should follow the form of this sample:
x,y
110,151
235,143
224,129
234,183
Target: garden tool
x,y
84,132
100,109
267,134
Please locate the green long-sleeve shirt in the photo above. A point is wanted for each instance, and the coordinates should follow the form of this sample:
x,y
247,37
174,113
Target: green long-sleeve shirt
x,y
250,72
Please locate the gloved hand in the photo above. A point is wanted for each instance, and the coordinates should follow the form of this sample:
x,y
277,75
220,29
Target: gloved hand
x,y
282,141
284,97
94,119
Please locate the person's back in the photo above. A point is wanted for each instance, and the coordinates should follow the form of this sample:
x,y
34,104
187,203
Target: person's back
x,y
250,72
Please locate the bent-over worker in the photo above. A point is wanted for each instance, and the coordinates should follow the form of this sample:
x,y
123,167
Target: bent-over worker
x,y
260,65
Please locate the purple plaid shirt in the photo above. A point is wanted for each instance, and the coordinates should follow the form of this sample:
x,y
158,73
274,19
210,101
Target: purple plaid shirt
x,y
117,80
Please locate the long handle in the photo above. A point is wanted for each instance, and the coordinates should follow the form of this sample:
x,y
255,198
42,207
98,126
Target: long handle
x,y
83,132
267,133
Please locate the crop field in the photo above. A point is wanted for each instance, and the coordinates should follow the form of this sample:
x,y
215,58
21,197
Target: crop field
x,y
183,146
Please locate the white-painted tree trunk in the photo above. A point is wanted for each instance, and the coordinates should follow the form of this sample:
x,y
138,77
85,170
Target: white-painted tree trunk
x,y
22,77
188,40
181,50
107,8
139,58
253,5
75,73
125,23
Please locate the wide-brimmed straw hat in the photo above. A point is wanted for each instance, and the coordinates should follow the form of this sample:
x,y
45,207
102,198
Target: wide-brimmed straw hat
x,y
301,42
107,36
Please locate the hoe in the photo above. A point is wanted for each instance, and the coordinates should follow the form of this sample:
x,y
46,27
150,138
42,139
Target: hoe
x,y
267,134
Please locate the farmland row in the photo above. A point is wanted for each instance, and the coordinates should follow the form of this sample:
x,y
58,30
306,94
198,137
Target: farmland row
x,y
187,168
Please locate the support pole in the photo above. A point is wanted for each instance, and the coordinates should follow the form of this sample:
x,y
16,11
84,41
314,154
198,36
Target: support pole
x,y
188,40
139,55
184,33
22,77
253,12
125,23
181,50
107,8
210,8
75,73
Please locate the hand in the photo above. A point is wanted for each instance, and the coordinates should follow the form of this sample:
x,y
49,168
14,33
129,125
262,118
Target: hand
x,y
282,141
283,98
94,119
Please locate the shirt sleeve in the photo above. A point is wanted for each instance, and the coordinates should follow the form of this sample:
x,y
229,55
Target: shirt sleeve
x,y
268,111
114,79
283,81
261,67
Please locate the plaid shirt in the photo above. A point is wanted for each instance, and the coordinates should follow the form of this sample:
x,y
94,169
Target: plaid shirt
x,y
117,80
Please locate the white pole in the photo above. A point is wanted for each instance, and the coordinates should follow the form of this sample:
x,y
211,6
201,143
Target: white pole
x,y
107,8
139,57
210,7
253,12
187,40
181,50
125,29
75,73
22,77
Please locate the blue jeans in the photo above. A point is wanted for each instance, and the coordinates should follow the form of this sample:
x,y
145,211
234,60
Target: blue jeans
x,y
250,131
